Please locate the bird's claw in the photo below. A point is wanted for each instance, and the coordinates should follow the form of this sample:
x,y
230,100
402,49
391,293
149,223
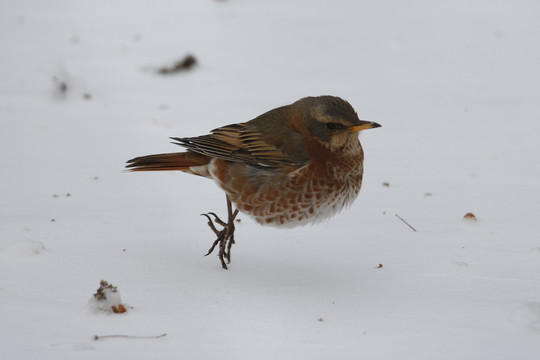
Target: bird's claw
x,y
225,237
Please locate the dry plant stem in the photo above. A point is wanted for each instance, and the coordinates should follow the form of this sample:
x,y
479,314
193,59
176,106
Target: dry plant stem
x,y
406,223
225,237
97,337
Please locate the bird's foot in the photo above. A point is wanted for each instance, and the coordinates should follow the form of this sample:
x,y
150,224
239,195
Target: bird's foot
x,y
225,237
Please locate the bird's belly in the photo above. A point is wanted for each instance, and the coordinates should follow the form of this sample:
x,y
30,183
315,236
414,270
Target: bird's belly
x,y
288,199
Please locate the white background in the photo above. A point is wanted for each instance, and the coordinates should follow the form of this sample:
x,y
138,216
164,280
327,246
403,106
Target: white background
x,y
455,86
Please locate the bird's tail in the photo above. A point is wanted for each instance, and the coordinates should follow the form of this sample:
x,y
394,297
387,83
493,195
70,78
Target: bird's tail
x,y
182,161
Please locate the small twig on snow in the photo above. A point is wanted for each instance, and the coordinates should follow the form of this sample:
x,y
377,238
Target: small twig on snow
x,y
100,337
406,223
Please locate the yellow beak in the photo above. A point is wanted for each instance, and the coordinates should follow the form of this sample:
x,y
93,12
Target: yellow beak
x,y
363,126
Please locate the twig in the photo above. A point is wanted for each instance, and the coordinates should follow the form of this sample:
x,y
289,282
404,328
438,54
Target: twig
x,y
406,223
96,337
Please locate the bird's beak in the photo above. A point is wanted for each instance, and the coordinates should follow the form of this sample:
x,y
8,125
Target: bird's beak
x,y
363,126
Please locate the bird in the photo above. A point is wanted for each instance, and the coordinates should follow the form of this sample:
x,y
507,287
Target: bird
x,y
294,165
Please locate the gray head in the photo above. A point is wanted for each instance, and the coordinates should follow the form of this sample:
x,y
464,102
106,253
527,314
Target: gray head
x,y
332,121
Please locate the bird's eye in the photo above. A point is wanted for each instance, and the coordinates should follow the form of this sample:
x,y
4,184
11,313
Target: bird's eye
x,y
335,126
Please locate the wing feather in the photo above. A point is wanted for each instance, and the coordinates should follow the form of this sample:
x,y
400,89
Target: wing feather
x,y
267,141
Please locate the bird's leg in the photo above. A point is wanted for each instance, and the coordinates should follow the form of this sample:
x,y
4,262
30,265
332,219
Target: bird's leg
x,y
225,237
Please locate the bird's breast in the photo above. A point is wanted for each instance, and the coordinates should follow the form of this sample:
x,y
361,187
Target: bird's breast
x,y
290,196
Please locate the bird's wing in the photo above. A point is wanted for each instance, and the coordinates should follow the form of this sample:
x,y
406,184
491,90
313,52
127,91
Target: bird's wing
x,y
265,141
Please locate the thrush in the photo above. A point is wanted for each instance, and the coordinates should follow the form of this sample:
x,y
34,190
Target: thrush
x,y
293,165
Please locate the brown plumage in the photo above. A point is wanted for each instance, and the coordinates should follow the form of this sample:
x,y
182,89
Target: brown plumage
x,y
293,165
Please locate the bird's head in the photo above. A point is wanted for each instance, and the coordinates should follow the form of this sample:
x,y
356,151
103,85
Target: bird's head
x,y
332,121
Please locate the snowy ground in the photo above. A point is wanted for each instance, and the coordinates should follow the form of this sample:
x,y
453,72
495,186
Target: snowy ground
x,y
455,86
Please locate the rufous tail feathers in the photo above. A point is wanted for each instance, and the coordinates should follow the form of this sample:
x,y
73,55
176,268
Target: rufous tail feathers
x,y
182,161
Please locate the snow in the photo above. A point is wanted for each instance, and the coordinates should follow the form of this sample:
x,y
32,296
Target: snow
x,y
455,86
22,249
